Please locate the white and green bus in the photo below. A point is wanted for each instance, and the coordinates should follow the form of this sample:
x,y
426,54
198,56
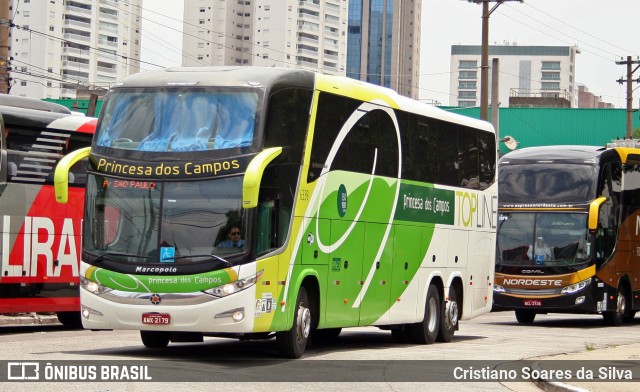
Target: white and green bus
x,y
258,202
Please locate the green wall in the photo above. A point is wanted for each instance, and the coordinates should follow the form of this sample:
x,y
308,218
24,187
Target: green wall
x,y
81,104
553,126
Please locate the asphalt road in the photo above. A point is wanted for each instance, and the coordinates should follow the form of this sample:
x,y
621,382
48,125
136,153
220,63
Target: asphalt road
x,y
368,357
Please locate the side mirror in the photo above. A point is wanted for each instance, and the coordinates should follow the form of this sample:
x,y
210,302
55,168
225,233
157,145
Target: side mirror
x,y
61,175
594,212
253,176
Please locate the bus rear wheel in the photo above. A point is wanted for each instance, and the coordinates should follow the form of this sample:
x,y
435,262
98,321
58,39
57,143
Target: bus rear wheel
x,y
426,331
525,316
448,318
616,317
292,343
155,339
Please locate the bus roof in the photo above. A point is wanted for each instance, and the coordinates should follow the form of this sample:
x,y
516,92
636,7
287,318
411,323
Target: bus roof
x,y
554,153
32,103
22,117
218,76
571,154
273,76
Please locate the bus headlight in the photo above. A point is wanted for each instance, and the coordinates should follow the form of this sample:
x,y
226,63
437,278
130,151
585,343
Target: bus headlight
x,y
498,288
234,287
93,287
575,287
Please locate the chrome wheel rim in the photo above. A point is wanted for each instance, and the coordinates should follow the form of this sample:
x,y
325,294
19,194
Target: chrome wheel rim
x,y
304,323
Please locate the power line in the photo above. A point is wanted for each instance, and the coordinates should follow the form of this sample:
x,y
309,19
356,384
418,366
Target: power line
x,y
575,28
556,30
99,50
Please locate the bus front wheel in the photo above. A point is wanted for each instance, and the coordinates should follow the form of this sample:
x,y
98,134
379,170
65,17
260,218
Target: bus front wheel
x,y
292,343
616,317
525,316
155,339
426,331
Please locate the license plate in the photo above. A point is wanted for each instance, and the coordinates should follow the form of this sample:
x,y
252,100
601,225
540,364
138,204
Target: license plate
x,y
532,302
156,318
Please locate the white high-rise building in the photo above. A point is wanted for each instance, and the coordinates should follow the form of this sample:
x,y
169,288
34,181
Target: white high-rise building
x,y
62,47
308,34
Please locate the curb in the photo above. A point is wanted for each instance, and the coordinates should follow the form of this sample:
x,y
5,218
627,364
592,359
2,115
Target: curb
x,y
28,319
553,386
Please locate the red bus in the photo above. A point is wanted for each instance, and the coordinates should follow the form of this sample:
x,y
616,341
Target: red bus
x,y
40,239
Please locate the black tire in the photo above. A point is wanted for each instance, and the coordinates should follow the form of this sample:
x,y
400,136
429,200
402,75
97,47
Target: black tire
x,y
449,315
324,336
155,339
292,343
426,331
629,318
616,317
70,319
525,316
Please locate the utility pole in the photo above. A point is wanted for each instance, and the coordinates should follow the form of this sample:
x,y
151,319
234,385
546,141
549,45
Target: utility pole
x,y
495,95
629,82
4,46
484,60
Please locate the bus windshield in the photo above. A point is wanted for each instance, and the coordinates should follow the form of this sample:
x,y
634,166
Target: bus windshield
x,y
178,119
163,222
542,239
548,182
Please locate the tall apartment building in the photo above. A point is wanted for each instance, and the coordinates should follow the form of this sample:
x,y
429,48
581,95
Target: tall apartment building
x,y
60,47
379,43
384,43
307,34
525,71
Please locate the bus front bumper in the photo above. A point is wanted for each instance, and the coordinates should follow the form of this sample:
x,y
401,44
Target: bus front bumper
x,y
162,312
580,302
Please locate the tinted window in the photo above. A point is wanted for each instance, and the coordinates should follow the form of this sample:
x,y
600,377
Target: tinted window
x,y
555,183
32,154
433,151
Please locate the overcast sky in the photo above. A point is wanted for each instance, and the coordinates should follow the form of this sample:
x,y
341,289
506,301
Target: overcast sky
x,y
605,31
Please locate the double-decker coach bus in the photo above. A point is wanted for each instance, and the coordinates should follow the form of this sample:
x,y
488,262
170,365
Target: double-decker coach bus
x,y
568,232
258,202
40,246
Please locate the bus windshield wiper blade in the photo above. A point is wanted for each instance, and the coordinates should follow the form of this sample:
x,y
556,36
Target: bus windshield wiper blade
x,y
99,258
566,263
227,263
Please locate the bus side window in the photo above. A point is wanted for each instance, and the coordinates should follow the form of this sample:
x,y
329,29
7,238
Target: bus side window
x,y
605,242
275,207
267,230
608,216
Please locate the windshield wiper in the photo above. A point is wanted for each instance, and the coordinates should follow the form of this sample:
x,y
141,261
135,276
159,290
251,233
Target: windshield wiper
x,y
566,263
99,258
226,263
